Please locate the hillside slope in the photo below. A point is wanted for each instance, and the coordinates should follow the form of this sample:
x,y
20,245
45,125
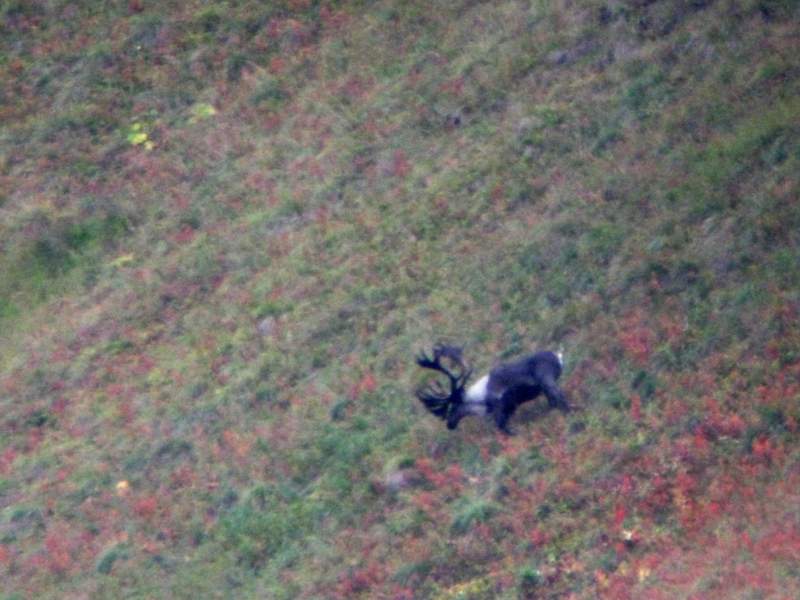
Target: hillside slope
x,y
227,227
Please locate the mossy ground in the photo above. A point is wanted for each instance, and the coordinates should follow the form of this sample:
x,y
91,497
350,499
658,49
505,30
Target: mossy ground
x,y
227,227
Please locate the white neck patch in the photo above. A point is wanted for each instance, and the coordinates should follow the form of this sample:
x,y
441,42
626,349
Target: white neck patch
x,y
477,391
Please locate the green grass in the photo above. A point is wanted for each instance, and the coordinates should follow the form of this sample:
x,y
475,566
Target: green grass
x,y
226,229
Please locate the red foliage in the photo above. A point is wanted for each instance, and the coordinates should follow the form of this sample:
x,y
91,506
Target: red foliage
x,y
332,19
218,366
486,453
714,509
277,65
236,443
117,390
365,385
361,580
450,480
784,387
307,165
181,200
659,497
672,328
35,437
454,86
685,483
512,447
779,545
59,551
186,234
5,554
766,450
127,411
700,442
426,468
144,364
498,194
673,409
636,408
791,424
59,405
719,423
454,474
299,33
7,459
627,485
427,502
10,385
619,516
270,122
401,166
183,476
355,88
402,593
146,507
538,537
637,342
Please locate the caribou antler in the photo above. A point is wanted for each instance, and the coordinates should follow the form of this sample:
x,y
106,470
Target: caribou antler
x,y
434,396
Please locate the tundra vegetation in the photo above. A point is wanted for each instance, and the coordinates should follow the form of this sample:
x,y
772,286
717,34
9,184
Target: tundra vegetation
x,y
226,227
